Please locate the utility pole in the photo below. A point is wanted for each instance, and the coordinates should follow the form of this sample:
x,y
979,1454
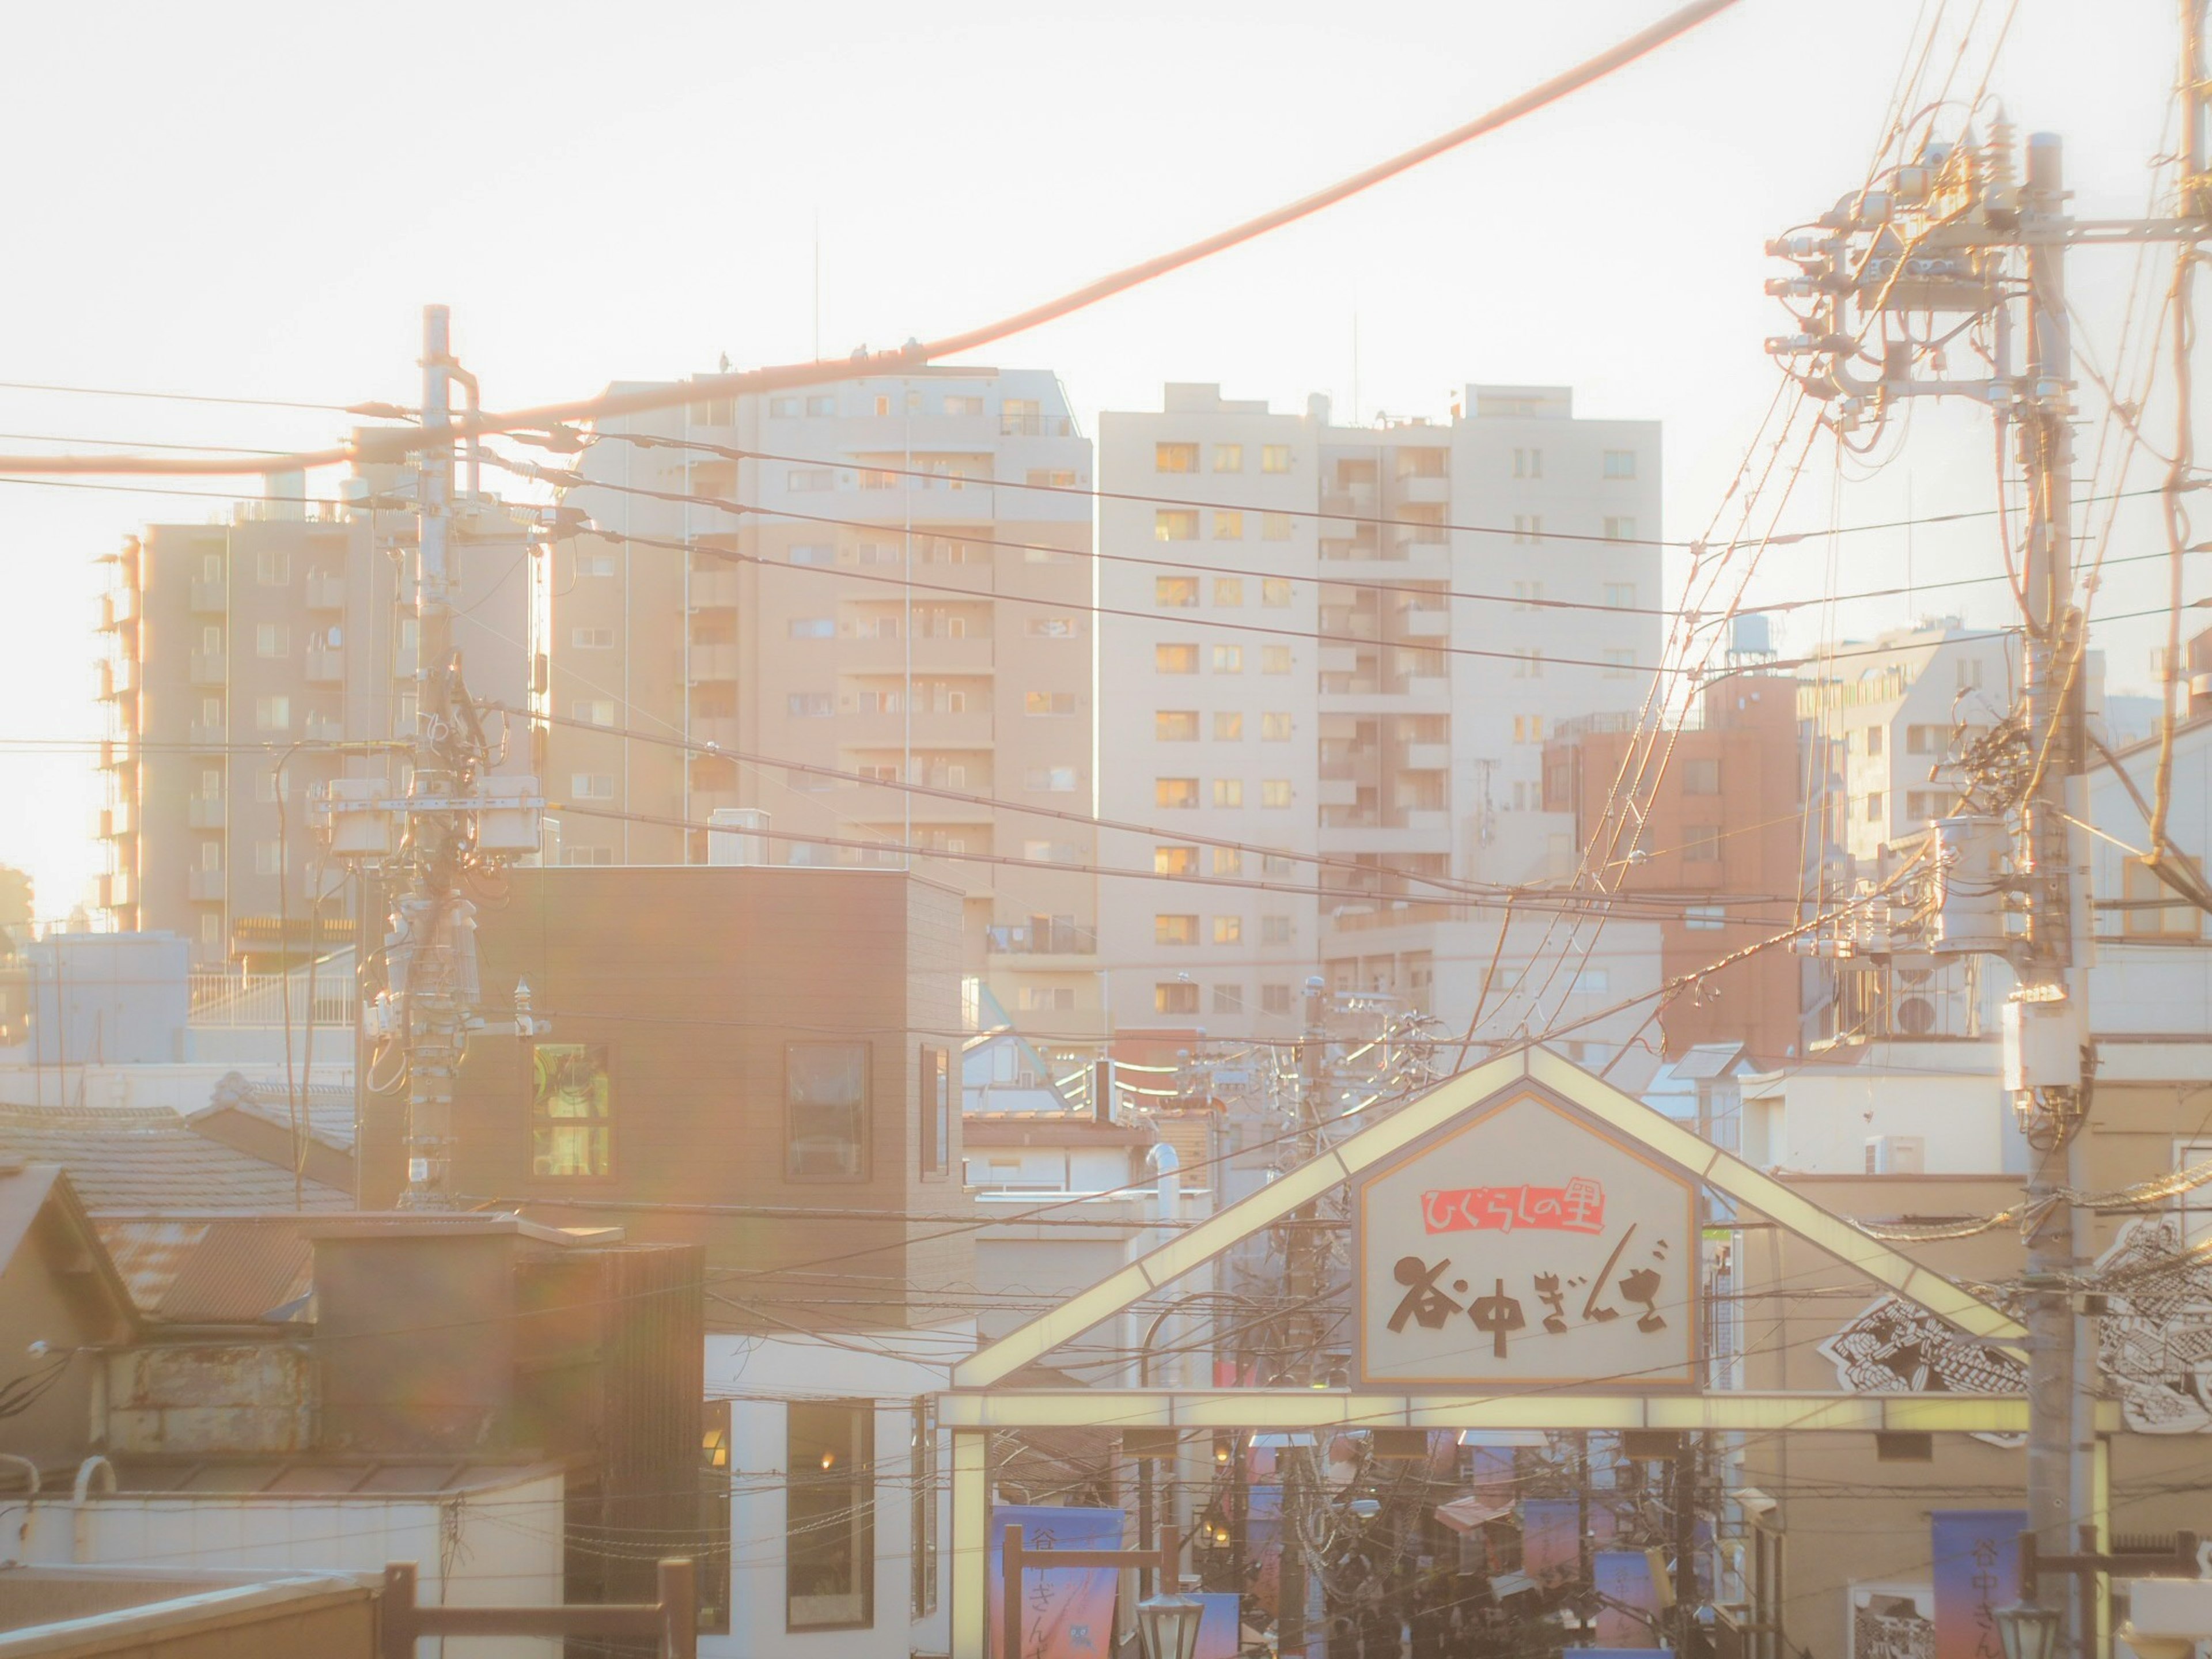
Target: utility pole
x,y
1305,1282
1938,233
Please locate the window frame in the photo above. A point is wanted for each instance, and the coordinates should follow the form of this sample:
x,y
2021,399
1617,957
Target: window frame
x,y
866,1120
532,1118
934,1112
857,1487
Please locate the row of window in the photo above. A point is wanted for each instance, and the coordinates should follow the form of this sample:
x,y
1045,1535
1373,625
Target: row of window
x,y
1183,658
1176,795
272,641
1181,726
1528,462
1181,593
1174,861
1184,929
1227,458
828,1115
1180,524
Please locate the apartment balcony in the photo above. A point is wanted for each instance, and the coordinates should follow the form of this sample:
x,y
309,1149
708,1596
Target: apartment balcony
x,y
1424,757
112,891
206,886
931,730
119,754
1338,659
1427,490
119,676
1421,622
325,665
714,588
720,730
208,668
207,813
326,591
1042,940
117,606
1365,835
1339,792
1425,820
931,655
206,736
324,728
114,823
711,662
210,596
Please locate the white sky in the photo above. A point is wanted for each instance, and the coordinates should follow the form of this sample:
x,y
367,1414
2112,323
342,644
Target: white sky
x,y
257,199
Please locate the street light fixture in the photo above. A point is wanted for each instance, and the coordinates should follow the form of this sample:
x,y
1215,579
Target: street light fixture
x,y
2026,1631
1167,1625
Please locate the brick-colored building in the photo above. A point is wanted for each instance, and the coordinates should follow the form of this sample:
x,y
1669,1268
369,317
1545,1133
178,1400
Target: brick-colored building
x,y
1700,831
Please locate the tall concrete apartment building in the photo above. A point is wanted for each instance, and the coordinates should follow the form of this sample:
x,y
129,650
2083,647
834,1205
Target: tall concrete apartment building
x,y
1352,642
905,598
245,656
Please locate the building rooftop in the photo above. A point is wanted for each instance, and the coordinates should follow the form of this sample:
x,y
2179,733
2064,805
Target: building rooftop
x,y
148,1159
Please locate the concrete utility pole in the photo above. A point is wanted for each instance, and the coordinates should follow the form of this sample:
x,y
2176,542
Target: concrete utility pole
x,y
1305,1279
1936,233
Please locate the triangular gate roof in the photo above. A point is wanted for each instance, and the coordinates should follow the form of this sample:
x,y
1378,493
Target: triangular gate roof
x,y
1622,1115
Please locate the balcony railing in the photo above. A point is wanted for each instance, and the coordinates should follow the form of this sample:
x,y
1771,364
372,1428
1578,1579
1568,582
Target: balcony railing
x,y
1057,939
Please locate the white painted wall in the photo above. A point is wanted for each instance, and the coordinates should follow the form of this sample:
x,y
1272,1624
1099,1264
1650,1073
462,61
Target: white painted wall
x,y
1817,1118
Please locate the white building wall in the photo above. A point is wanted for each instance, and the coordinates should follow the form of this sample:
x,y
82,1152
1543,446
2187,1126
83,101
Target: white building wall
x,y
2160,984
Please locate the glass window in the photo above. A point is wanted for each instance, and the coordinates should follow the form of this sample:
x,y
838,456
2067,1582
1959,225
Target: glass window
x,y
826,1106
1593,982
1228,726
1701,776
713,1578
1228,861
1228,658
1873,736
1175,930
934,1111
271,640
1174,458
921,1524
813,627
1275,593
571,1109
830,1534
1274,792
1275,457
1229,590
1620,530
1701,841
1228,457
1228,526
1274,728
1620,596
272,567
1054,704
1175,524
1178,998
1274,930
822,404
1274,659
1175,860
2154,910
1228,791
1176,659
1528,462
1228,999
272,713
1274,526
1619,463
1874,806
1275,999
1227,930
1174,592
1175,725
1703,918
1174,792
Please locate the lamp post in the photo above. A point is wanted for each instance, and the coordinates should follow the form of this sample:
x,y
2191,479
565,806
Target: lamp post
x,y
1167,1624
2027,1629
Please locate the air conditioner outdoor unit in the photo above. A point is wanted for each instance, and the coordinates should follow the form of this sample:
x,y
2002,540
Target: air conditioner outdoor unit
x,y
1896,1155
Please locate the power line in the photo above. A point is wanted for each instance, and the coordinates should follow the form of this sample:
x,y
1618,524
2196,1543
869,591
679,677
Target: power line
x,y
378,410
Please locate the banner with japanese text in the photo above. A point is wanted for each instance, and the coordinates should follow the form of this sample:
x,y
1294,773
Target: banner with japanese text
x,y
1067,1612
1977,1561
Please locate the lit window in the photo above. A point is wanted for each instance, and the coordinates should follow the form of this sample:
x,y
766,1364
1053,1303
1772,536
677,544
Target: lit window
x,y
571,1109
1175,793
1175,930
1275,593
829,1507
826,1111
1175,524
1054,704
1175,860
1274,792
1228,658
1229,590
1175,658
1274,526
1274,659
1275,457
1228,791
1228,526
1274,728
1175,725
1228,457
1228,726
1178,998
1174,592
1227,930
1619,463
1174,458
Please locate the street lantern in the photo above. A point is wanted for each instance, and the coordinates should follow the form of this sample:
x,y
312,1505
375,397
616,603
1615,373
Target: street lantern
x,y
1167,1625
2027,1631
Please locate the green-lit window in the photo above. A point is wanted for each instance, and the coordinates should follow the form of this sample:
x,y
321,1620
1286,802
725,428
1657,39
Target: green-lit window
x,y
571,1109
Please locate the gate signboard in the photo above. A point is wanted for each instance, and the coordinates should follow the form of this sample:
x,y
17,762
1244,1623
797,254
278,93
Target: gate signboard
x,y
1525,1248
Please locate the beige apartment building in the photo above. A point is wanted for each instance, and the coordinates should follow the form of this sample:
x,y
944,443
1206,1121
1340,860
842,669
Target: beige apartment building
x,y
248,660
903,597
1353,642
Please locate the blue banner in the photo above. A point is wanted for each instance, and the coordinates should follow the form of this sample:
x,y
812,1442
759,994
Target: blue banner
x,y
1977,1555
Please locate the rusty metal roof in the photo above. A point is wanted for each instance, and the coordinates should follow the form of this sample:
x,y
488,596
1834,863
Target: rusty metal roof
x,y
215,1270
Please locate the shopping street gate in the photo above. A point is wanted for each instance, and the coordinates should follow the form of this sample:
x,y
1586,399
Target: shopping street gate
x,y
1525,1248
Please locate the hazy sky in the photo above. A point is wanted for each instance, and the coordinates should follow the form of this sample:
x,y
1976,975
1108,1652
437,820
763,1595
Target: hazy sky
x,y
257,201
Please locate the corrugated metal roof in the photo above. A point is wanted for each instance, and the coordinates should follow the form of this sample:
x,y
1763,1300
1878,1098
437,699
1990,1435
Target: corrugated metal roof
x,y
210,1270
309,1478
148,1159
148,1253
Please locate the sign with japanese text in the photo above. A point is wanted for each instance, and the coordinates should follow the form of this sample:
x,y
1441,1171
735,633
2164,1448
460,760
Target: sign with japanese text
x,y
1976,1560
1067,1612
1527,1248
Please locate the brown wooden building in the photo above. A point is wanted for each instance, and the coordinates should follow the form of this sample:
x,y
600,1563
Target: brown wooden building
x,y
757,1059
1703,827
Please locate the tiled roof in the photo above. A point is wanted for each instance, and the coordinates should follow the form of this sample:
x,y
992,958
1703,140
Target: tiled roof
x,y
326,1107
149,1159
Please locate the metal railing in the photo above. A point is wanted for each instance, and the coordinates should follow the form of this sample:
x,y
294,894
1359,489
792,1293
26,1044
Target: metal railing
x,y
225,999
1059,939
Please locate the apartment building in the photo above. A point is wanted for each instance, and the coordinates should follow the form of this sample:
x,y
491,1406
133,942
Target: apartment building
x,y
1352,644
1707,844
906,597
238,657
